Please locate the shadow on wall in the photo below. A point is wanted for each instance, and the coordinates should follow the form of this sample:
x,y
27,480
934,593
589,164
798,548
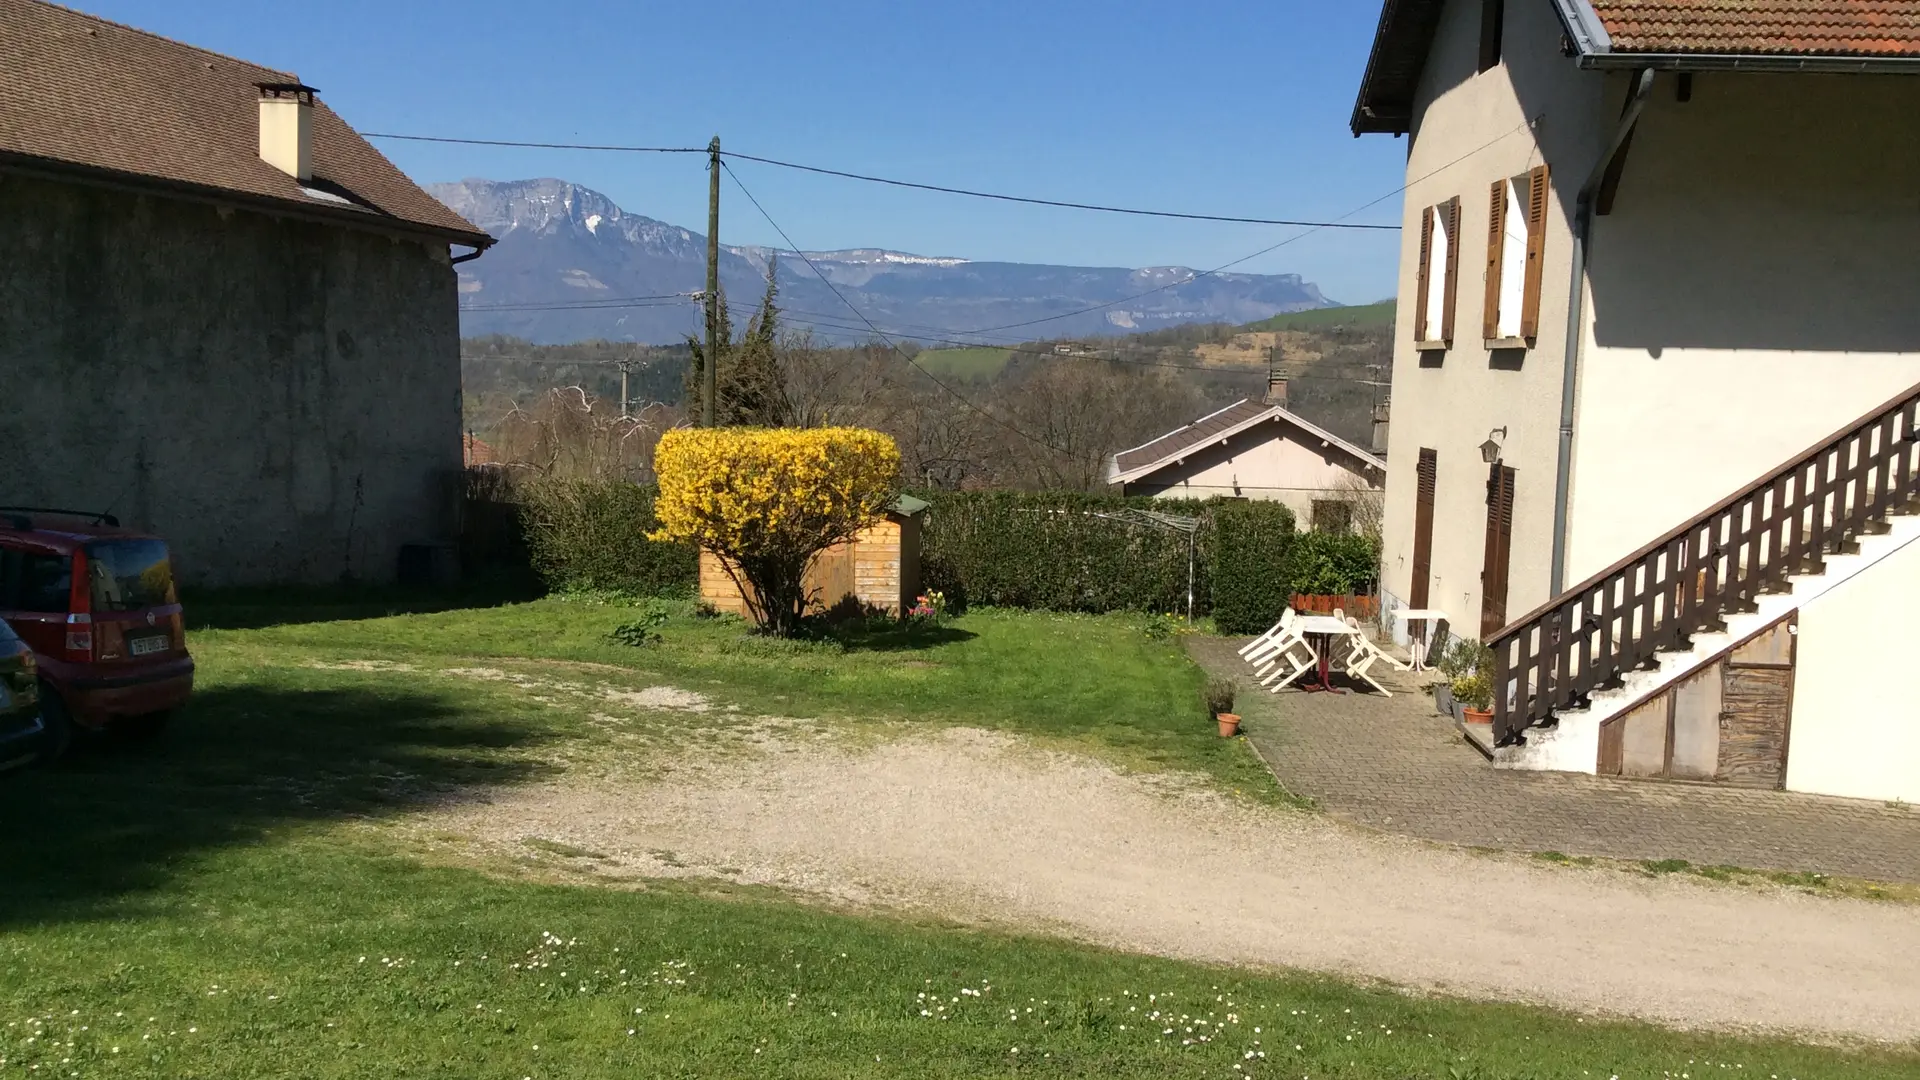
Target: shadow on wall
x,y
1769,212
84,839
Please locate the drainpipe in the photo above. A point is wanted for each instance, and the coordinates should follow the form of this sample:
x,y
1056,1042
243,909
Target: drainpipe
x,y
1576,318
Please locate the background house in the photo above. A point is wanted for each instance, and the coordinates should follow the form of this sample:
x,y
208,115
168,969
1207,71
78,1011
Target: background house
x,y
227,317
1657,254
1257,450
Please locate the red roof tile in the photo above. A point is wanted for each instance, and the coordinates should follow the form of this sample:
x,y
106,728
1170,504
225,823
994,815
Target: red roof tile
x,y
82,91
1764,27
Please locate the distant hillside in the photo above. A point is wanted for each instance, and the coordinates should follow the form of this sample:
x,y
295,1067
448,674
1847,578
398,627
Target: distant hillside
x,y
572,266
1380,314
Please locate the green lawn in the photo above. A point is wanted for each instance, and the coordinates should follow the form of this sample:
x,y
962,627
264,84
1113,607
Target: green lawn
x,y
964,363
226,903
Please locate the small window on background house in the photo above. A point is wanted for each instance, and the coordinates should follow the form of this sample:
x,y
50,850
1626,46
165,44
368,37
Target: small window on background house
x,y
1333,516
1516,246
1492,22
1437,275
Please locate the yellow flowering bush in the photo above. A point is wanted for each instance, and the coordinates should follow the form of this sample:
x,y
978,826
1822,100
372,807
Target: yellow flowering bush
x,y
767,500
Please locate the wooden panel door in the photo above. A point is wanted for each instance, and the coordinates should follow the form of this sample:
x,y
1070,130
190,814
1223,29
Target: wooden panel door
x,y
1493,575
1753,727
1429,476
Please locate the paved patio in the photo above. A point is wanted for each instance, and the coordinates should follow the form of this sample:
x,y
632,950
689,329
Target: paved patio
x,y
1395,764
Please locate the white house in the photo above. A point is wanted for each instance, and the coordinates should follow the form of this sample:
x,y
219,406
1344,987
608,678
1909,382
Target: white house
x,y
1667,478
1256,450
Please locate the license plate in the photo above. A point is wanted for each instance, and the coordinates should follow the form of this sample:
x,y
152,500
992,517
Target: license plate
x,y
146,646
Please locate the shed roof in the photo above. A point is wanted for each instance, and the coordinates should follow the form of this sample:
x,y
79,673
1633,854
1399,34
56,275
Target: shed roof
x,y
1781,35
1149,458
82,95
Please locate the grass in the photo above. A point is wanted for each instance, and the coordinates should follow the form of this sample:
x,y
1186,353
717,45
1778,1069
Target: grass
x,y
224,903
964,363
1380,314
1803,881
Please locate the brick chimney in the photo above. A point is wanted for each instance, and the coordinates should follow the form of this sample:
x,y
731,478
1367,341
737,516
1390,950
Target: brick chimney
x,y
286,128
1276,389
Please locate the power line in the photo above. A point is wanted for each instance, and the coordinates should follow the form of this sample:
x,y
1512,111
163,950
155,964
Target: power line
x,y
567,305
892,182
957,395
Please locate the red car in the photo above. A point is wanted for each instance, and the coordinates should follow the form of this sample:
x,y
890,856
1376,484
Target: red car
x,y
97,605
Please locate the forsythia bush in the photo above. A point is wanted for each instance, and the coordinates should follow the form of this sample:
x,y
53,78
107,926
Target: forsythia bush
x,y
767,500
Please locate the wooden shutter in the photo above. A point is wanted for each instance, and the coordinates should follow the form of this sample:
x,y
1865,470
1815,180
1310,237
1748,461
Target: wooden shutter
x,y
1452,210
1496,244
1493,578
1429,475
1536,252
1423,268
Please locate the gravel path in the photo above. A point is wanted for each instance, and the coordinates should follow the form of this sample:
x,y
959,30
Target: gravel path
x,y
980,827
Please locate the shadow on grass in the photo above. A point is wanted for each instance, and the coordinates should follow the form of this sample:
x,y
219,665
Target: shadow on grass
x,y
895,637
116,821
258,608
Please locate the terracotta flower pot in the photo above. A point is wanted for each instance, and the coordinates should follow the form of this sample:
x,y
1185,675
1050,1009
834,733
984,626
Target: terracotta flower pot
x,y
1229,724
1479,716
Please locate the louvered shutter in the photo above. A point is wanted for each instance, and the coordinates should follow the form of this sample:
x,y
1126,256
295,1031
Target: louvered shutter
x,y
1429,474
1536,252
1421,280
1496,243
1499,551
1452,209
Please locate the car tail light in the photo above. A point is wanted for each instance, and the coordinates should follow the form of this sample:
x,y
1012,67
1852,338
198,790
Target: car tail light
x,y
79,638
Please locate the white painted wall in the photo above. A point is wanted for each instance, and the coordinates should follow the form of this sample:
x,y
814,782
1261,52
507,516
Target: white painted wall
x,y
1471,130
1755,288
1856,719
1271,460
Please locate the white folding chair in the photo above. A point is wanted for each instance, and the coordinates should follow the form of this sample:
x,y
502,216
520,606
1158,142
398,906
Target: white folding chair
x,y
1286,620
1276,639
1362,654
1287,665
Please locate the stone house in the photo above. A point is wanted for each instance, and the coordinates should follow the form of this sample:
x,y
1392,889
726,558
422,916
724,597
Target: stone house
x,y
1257,450
1669,478
224,316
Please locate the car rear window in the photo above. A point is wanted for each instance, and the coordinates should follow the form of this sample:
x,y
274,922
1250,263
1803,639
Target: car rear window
x,y
6,633
127,575
44,584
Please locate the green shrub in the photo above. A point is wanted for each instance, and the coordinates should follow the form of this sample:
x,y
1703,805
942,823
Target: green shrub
x,y
1326,564
1248,545
592,535
1054,551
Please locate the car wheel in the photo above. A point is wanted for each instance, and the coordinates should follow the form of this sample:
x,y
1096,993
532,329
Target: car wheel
x,y
141,729
57,726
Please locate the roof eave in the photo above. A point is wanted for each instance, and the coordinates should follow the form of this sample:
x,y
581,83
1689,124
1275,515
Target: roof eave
x,y
1366,459
356,217
1758,63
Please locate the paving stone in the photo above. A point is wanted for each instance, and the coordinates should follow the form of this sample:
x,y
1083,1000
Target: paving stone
x,y
1395,764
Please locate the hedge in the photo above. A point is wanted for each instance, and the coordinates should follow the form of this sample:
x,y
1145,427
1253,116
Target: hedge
x,y
1325,564
592,534
1251,551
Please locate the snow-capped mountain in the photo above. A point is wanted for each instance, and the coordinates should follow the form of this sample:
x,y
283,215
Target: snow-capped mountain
x,y
570,265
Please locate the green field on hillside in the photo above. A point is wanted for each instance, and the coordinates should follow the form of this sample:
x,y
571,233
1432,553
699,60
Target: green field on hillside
x,y
964,363
1380,314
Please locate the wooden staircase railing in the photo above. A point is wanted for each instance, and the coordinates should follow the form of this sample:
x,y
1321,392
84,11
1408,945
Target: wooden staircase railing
x,y
1687,581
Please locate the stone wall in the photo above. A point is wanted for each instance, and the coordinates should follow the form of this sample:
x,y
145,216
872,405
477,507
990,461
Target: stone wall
x,y
279,399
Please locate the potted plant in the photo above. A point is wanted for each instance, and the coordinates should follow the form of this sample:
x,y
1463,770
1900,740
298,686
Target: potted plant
x,y
1220,706
1475,693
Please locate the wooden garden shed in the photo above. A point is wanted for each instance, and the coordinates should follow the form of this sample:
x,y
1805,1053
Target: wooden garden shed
x,y
880,567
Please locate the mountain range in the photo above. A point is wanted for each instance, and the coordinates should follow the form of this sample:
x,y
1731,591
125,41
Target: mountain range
x,y
572,266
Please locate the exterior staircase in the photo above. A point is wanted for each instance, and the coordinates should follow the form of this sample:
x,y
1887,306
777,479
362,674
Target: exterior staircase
x,y
1625,634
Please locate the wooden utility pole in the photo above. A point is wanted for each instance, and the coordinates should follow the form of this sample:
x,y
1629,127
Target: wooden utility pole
x,y
711,388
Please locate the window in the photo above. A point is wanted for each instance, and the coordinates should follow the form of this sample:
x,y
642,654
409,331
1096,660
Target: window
x,y
1333,516
1437,277
1516,245
45,584
1492,22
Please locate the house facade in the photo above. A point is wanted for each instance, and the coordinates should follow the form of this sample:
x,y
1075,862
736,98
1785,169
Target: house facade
x,y
1657,254
1257,450
228,319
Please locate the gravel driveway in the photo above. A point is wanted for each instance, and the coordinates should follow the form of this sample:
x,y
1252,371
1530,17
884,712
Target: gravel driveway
x,y
983,828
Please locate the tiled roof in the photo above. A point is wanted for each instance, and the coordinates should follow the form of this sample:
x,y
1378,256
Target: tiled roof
x,y
1214,426
76,90
1198,433
1764,27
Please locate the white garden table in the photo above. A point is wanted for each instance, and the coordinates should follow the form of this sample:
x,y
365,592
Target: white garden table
x,y
1418,647
1320,630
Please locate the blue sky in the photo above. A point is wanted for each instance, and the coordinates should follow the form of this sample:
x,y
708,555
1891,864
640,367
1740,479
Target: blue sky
x,y
1229,106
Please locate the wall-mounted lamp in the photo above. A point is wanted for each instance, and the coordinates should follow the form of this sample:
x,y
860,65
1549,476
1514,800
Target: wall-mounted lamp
x,y
1490,450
